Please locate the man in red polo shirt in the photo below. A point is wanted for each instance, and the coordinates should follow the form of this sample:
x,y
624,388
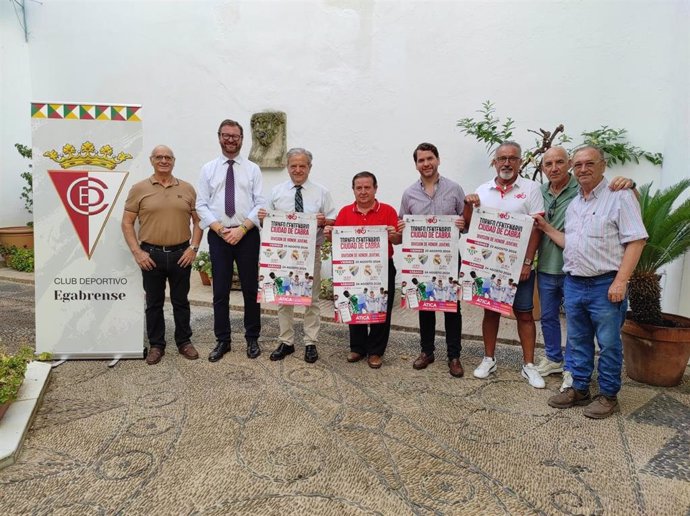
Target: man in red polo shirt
x,y
370,340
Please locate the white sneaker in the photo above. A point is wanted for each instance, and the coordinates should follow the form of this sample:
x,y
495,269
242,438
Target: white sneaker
x,y
532,375
547,367
487,367
567,381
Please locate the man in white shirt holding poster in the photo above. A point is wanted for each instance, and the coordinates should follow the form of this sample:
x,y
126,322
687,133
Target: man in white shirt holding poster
x,y
300,194
508,192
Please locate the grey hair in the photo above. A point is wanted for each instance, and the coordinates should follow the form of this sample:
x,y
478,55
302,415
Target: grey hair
x,y
509,143
299,151
592,147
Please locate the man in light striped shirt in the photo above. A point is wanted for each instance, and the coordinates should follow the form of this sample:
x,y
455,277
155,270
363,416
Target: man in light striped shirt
x,y
603,240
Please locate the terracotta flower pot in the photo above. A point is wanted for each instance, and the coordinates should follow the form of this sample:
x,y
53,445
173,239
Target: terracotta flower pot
x,y
205,279
3,409
18,236
656,355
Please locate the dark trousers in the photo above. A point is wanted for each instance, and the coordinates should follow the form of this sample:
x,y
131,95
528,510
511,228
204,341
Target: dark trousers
x,y
223,257
427,331
372,339
166,269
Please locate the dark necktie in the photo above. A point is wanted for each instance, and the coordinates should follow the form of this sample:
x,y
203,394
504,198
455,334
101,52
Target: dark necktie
x,y
299,205
230,190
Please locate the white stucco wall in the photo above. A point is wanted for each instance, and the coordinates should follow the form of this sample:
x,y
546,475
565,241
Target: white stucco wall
x,y
362,82
15,126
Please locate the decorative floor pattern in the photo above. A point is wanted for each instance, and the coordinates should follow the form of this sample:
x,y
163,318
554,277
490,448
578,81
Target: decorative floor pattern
x,y
258,437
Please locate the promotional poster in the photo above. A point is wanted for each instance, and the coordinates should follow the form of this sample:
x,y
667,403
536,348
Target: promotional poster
x,y
430,269
89,295
360,274
286,259
492,257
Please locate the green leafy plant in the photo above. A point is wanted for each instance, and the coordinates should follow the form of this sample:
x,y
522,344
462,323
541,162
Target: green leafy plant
x,y
202,263
617,148
27,194
669,238
17,258
490,130
326,289
12,371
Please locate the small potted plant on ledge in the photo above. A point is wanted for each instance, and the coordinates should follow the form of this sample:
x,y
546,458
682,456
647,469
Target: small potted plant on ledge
x,y
22,237
202,263
657,345
12,371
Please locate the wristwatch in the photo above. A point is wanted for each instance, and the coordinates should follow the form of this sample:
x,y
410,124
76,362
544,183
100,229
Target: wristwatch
x,y
195,248
528,261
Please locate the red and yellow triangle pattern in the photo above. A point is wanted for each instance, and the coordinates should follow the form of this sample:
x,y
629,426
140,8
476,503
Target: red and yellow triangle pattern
x,y
120,113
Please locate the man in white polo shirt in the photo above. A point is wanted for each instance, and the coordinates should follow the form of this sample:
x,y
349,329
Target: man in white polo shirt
x,y
511,193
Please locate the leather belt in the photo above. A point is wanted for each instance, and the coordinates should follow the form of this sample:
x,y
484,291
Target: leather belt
x,y
167,248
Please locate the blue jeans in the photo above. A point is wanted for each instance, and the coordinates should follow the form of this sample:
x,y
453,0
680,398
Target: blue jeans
x,y
589,313
550,294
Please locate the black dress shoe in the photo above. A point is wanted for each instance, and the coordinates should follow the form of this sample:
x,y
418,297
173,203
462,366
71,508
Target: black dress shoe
x,y
221,349
253,349
310,354
282,351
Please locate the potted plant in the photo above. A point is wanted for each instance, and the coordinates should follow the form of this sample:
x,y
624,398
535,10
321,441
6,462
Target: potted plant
x,y
202,263
12,371
18,258
657,345
22,236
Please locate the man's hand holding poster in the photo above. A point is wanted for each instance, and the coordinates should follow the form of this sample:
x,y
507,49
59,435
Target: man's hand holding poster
x,y
430,270
492,257
360,274
286,259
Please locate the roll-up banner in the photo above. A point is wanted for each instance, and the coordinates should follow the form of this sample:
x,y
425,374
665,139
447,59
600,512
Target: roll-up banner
x,y
89,295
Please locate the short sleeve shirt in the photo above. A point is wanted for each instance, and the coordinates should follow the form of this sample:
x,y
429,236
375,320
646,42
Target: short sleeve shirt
x,y
522,197
164,213
550,254
380,215
597,229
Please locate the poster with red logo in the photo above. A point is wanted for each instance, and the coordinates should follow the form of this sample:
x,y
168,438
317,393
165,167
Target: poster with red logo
x,y
493,253
89,298
429,277
360,274
287,258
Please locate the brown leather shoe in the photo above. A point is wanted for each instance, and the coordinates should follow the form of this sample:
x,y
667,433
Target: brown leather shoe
x,y
374,361
154,355
455,368
569,398
354,357
601,407
188,351
423,360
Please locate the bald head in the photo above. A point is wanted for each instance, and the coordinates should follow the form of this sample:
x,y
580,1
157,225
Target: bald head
x,y
555,165
163,159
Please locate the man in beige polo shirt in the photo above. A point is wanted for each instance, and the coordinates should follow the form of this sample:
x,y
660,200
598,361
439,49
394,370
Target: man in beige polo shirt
x,y
164,206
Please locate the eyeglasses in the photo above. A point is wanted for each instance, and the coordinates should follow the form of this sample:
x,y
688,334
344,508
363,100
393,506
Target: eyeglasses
x,y
162,157
587,165
233,137
509,159
552,209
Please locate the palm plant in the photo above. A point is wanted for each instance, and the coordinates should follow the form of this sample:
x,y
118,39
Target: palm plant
x,y
669,238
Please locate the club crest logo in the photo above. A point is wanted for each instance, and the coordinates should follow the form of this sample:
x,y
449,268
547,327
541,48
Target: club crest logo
x,y
88,196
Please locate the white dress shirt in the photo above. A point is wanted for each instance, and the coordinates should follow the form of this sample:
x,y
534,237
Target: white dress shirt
x,y
315,199
210,199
